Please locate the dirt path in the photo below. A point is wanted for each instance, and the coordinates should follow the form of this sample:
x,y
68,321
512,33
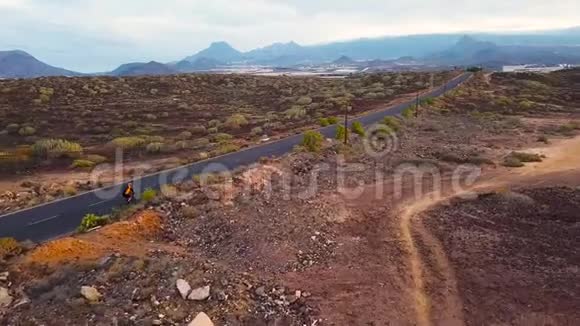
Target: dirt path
x,y
435,294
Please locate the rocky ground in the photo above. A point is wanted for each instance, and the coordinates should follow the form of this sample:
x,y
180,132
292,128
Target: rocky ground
x,y
266,248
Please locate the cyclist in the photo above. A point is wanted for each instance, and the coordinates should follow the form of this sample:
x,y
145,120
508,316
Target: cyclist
x,y
128,193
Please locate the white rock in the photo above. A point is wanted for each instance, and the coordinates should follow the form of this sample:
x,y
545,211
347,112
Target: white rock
x,y
201,320
4,276
5,298
90,293
183,287
199,294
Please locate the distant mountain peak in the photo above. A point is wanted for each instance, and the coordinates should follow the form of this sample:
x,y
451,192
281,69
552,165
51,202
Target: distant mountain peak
x,y
343,60
220,51
20,64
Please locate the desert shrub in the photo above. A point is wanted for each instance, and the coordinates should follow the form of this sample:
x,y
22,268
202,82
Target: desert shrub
x,y
543,139
568,129
91,221
341,132
82,164
70,190
213,123
128,143
236,121
225,148
358,128
392,123
312,141
26,131
428,101
97,159
184,135
525,104
213,130
222,137
199,143
257,131
198,130
153,139
56,148
154,147
323,122
512,162
304,100
148,195
409,112
295,112
526,157
131,124
169,191
9,247
12,128
332,120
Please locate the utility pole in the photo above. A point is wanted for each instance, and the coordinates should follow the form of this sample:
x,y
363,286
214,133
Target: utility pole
x,y
346,124
417,106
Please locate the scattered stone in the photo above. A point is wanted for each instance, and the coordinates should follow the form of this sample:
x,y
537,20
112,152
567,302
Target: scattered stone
x,y
199,294
5,297
157,322
91,294
201,320
183,287
4,276
261,291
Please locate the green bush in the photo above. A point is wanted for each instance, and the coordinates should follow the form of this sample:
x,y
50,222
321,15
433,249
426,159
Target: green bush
x,y
13,128
83,164
304,100
428,101
199,130
324,122
543,139
154,147
392,123
222,137
257,131
9,247
332,120
128,143
98,159
236,121
184,135
526,157
91,221
312,141
409,112
358,128
295,112
56,148
27,131
225,148
341,132
148,195
512,162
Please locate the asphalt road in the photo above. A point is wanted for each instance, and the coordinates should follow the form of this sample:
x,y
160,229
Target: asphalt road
x,y
63,216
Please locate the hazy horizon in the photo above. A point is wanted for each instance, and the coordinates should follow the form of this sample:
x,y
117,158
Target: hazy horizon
x,y
93,35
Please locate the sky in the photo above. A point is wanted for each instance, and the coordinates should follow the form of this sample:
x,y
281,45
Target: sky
x,y
99,35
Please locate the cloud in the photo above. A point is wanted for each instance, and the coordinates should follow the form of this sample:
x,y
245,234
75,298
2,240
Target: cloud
x,y
90,35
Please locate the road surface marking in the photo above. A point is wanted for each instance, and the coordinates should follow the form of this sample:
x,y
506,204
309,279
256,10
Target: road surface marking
x,y
95,204
43,220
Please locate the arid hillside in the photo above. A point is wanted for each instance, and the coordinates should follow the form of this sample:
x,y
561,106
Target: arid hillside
x,y
464,215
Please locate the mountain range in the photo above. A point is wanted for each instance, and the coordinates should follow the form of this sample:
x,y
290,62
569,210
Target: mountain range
x,y
490,50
